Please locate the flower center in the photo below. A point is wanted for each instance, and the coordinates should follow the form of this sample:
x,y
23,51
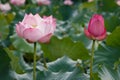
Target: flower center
x,y
34,26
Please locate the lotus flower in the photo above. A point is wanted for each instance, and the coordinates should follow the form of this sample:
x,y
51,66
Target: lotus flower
x,y
90,0
33,28
68,2
43,2
17,2
96,29
118,2
5,7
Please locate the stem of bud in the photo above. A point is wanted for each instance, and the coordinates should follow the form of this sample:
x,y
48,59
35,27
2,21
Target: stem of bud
x,y
91,62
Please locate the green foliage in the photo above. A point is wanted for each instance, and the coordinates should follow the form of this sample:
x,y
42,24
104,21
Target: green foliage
x,y
4,25
5,65
111,22
107,73
107,62
56,71
107,6
21,44
114,38
14,61
57,48
106,55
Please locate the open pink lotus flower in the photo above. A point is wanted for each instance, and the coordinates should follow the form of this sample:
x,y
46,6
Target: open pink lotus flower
x,y
96,29
68,2
43,2
33,28
17,2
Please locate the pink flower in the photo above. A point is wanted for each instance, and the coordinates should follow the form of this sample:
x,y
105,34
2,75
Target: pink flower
x,y
96,29
33,28
17,2
68,2
5,7
118,2
90,0
43,2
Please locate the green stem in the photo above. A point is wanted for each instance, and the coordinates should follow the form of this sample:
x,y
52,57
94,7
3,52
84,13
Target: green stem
x,y
34,63
45,65
91,62
96,2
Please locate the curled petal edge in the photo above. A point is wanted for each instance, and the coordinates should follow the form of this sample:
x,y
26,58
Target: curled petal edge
x,y
87,33
46,38
102,37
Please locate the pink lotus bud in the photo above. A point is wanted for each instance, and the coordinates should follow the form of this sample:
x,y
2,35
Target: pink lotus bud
x,y
5,7
33,28
96,29
17,2
68,2
43,2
